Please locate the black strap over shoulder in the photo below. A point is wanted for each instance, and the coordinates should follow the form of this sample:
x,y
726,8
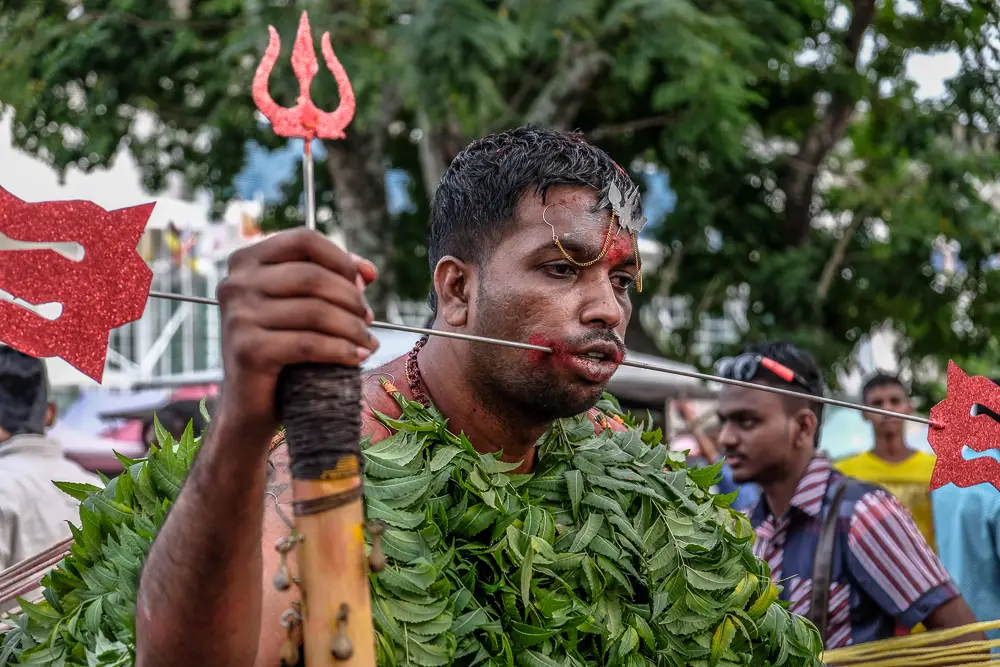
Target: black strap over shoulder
x,y
822,576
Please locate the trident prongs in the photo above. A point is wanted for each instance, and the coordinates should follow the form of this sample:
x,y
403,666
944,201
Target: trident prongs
x,y
304,120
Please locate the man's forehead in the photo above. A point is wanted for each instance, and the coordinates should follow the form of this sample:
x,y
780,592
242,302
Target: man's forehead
x,y
742,399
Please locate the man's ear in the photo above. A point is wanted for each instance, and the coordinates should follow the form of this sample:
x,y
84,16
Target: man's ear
x,y
454,284
806,420
50,414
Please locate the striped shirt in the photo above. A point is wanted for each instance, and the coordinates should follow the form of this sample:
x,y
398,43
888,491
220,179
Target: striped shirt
x,y
883,570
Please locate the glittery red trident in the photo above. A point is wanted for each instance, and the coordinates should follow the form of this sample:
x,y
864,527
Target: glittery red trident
x,y
105,288
970,416
304,119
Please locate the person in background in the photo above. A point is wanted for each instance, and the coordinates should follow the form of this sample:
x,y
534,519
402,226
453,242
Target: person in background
x,y
967,524
848,553
175,417
891,463
707,453
33,511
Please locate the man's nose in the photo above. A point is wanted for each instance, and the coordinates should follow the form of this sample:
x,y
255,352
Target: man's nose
x,y
727,437
602,304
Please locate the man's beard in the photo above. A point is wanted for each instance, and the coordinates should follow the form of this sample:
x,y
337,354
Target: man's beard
x,y
516,386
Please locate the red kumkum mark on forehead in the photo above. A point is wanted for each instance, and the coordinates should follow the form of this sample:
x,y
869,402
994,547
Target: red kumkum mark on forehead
x,y
620,248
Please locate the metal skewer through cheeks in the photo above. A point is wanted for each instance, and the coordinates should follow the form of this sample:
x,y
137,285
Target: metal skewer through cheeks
x,y
627,362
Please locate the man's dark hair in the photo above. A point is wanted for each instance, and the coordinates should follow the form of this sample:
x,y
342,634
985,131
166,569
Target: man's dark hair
x,y
475,202
177,415
881,379
24,394
802,364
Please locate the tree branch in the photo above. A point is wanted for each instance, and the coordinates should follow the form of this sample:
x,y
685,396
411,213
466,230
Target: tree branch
x,y
554,106
632,126
837,257
799,184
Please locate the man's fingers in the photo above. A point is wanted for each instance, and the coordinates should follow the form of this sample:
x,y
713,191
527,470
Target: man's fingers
x,y
303,279
305,347
311,315
367,271
302,244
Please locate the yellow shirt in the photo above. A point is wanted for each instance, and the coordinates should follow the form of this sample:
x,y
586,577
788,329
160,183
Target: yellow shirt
x,y
907,480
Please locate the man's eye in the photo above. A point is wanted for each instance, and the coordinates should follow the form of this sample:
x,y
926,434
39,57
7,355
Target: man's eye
x,y
559,269
747,424
623,281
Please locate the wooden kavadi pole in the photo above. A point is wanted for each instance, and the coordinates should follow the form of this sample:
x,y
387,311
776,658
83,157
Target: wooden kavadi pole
x,y
320,406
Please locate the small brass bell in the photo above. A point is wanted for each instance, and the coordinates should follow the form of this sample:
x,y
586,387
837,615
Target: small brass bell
x,y
340,646
376,560
289,654
282,581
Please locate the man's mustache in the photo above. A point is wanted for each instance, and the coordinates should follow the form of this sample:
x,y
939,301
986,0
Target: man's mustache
x,y
600,337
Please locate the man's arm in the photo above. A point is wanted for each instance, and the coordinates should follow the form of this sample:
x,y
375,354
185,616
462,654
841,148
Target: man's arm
x,y
891,561
199,597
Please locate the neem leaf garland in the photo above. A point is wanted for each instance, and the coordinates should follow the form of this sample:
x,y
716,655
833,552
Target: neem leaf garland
x,y
611,553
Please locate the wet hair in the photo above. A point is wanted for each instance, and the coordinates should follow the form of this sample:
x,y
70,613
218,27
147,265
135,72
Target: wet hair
x,y
475,203
803,364
24,393
880,379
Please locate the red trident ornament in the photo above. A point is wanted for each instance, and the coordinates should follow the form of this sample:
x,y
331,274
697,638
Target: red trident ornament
x,y
71,274
968,417
304,119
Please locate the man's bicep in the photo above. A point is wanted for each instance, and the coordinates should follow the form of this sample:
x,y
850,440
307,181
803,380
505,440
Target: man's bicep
x,y
892,563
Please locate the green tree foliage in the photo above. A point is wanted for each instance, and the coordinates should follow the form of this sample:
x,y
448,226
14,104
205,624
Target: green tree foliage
x,y
808,172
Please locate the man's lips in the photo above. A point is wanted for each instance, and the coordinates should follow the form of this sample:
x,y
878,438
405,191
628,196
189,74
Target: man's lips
x,y
591,368
735,460
600,351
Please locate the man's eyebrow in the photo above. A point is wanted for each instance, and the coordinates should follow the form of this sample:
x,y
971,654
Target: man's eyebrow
x,y
736,414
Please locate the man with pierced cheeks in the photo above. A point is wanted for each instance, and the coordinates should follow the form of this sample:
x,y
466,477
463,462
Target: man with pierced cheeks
x,y
206,597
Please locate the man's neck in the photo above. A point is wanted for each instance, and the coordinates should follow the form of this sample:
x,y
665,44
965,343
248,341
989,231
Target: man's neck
x,y
891,447
454,397
779,493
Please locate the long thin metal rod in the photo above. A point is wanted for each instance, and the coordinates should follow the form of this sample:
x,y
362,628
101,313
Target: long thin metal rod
x,y
627,362
310,185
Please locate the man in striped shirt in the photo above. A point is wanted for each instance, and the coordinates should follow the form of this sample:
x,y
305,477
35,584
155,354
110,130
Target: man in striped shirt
x,y
871,565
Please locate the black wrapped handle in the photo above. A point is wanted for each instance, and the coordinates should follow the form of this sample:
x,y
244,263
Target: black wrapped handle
x,y
320,405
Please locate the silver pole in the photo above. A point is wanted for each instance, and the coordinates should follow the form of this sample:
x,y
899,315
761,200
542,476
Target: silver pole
x,y
310,185
634,364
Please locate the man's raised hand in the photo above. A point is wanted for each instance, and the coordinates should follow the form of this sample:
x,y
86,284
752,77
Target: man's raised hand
x,y
293,298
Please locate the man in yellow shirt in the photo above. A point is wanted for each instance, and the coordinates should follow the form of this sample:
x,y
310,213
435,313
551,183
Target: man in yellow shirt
x,y
904,472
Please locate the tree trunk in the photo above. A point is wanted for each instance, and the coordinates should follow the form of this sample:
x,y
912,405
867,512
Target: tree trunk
x,y
800,183
357,169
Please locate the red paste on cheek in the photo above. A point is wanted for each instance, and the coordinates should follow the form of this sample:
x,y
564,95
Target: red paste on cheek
x,y
539,357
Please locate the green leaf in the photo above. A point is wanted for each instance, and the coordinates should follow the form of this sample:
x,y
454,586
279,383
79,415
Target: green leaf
x,y
524,635
574,484
411,612
526,569
77,490
443,456
529,658
468,622
707,476
587,533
